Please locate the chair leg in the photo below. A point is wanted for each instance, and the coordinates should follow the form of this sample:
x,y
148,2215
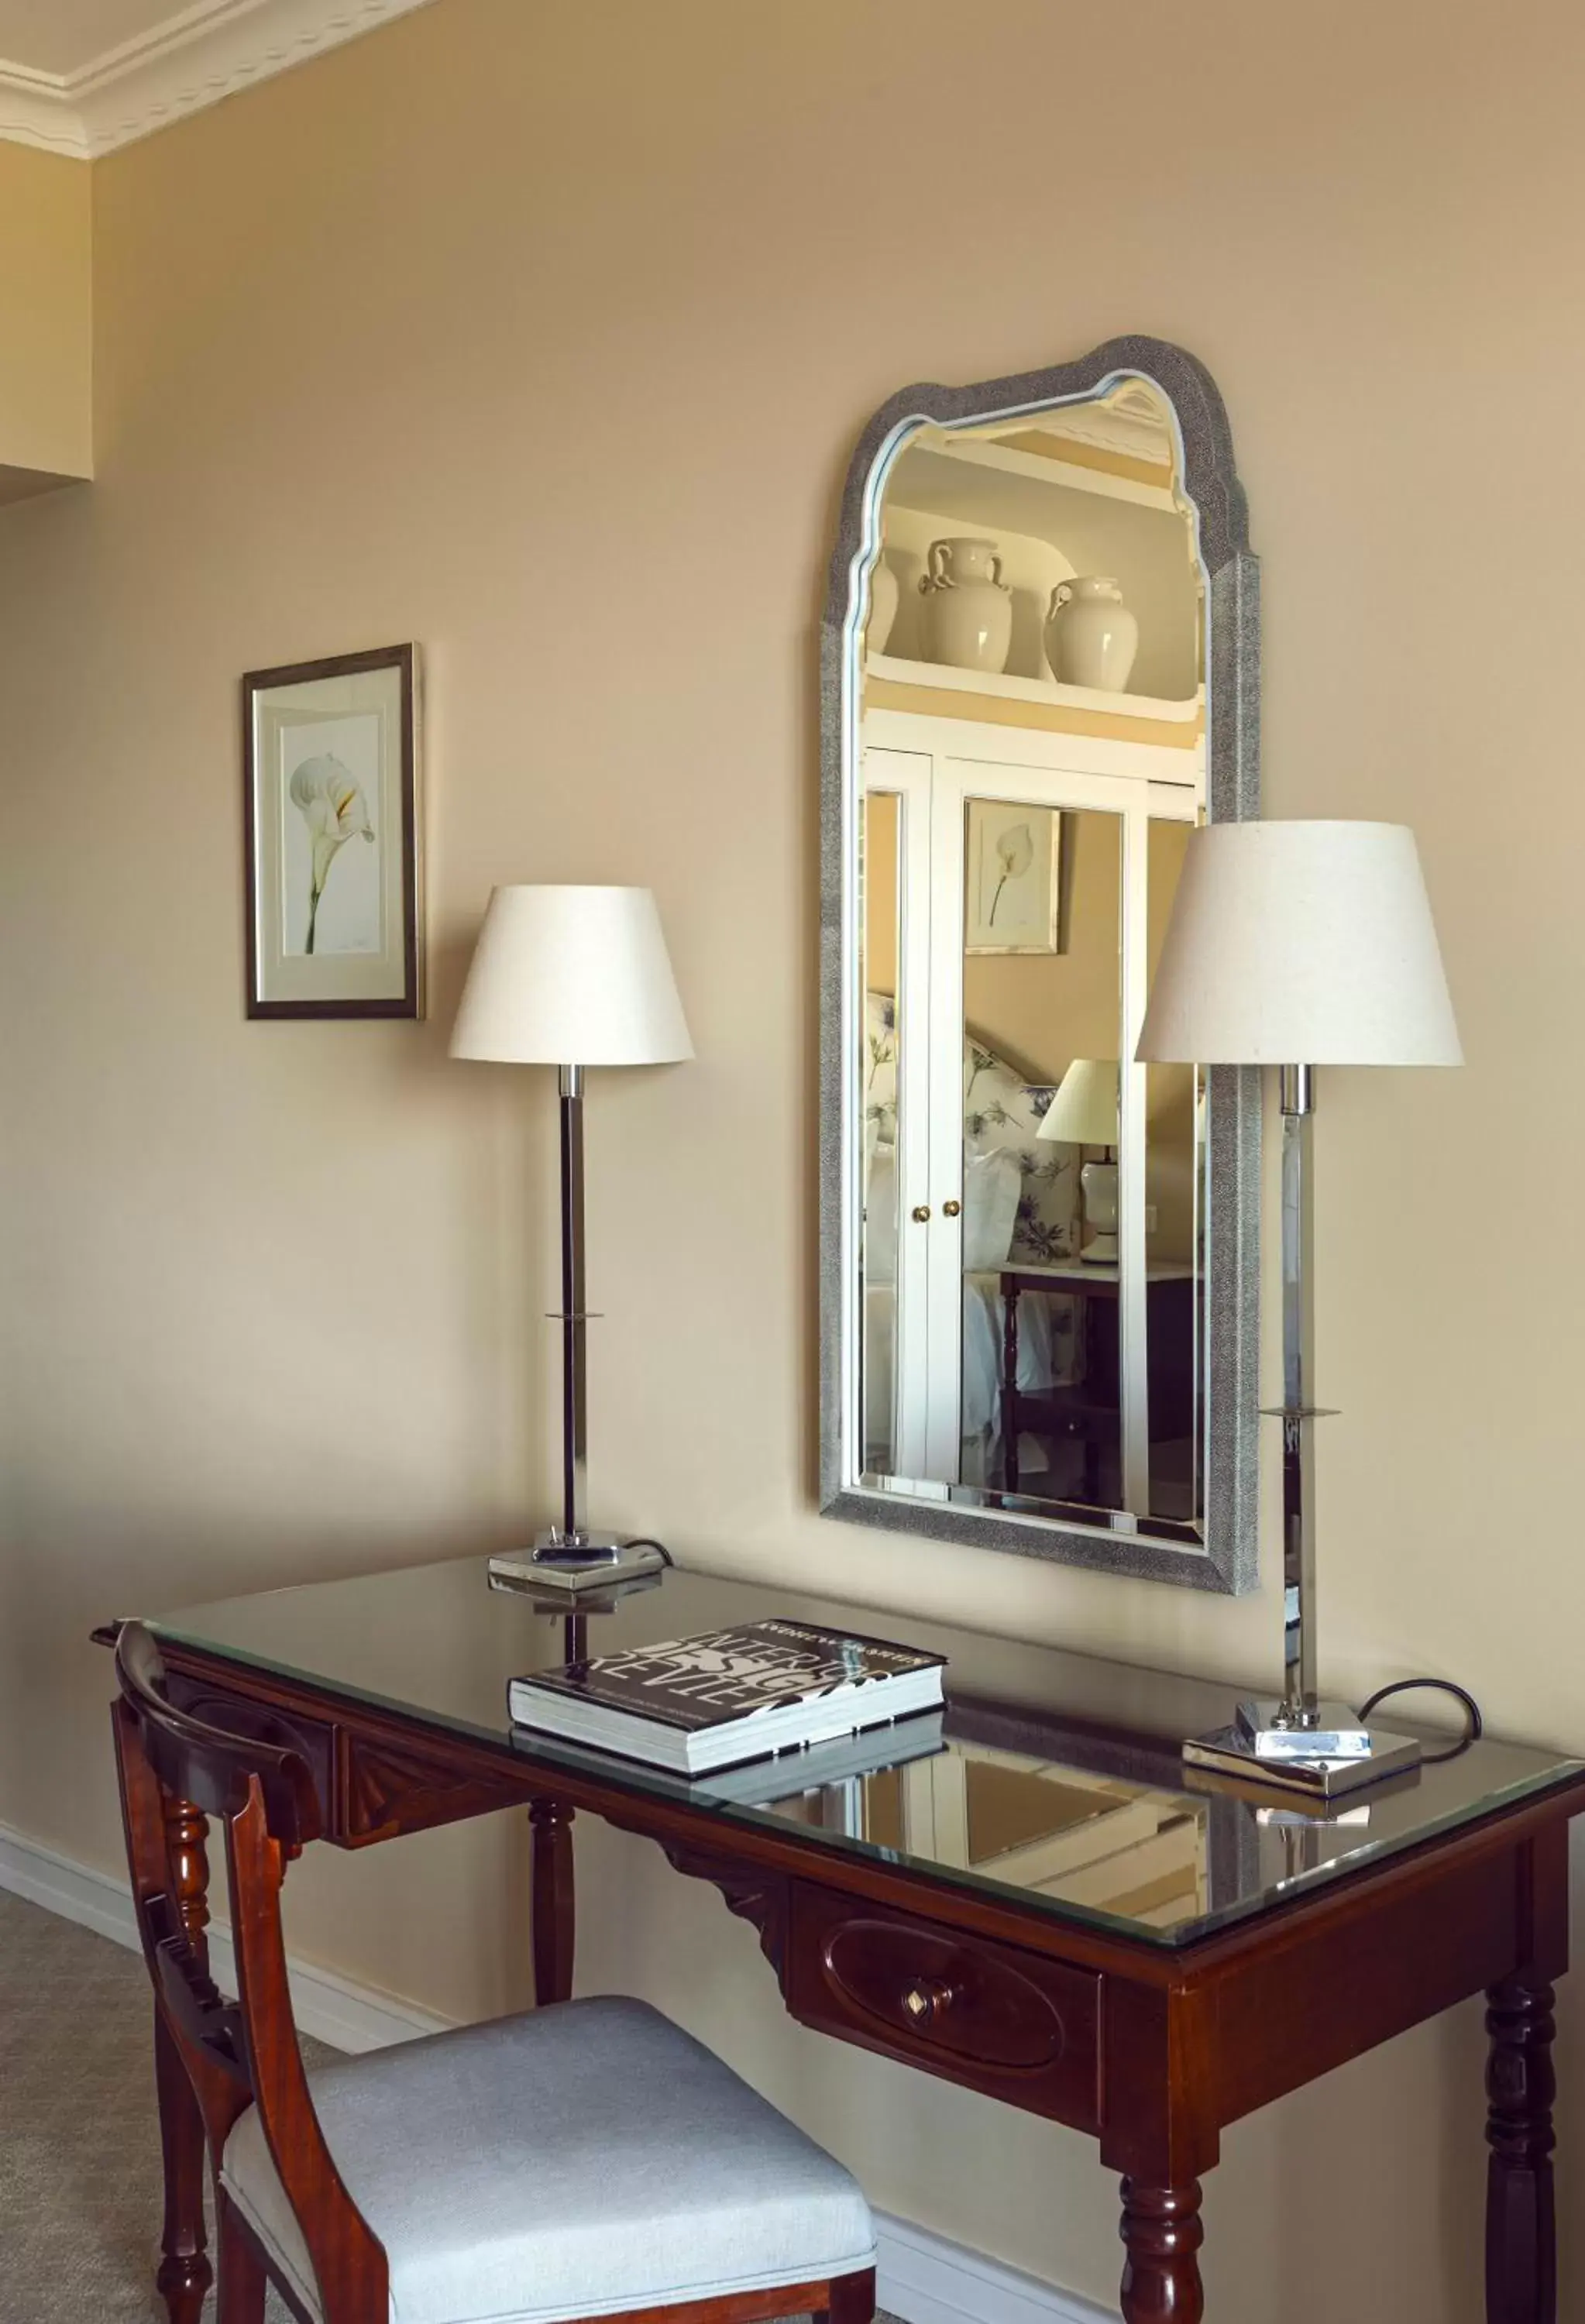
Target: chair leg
x,y
851,2299
242,2271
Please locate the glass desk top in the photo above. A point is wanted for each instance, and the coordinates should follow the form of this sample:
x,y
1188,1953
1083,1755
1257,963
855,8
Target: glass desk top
x,y
1053,1775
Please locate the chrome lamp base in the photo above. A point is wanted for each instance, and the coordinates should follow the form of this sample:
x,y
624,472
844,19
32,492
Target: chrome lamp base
x,y
1273,1730
1336,1755
553,1569
557,1547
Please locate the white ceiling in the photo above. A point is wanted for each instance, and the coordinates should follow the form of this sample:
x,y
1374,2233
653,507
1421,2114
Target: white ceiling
x,y
62,36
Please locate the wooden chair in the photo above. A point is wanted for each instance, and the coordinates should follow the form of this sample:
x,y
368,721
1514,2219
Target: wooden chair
x,y
588,2159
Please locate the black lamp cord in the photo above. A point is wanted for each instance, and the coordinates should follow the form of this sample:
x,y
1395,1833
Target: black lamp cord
x,y
1475,1726
644,1541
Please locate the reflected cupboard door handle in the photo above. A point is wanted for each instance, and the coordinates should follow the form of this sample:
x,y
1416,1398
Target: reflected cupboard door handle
x,y
921,1215
950,1210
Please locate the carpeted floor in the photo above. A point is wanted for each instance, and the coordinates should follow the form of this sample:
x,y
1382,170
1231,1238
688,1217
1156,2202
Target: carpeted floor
x,y
80,2140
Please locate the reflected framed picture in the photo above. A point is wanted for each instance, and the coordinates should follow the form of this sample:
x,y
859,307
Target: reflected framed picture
x,y
1015,894
332,845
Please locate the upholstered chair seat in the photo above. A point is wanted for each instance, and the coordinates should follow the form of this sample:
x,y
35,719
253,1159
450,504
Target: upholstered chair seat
x,y
582,2160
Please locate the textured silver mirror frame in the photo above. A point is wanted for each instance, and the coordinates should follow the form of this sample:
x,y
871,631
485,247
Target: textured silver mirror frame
x,y
1228,1560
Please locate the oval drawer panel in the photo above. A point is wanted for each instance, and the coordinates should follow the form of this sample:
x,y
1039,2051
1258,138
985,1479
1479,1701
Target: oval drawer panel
x,y
945,1993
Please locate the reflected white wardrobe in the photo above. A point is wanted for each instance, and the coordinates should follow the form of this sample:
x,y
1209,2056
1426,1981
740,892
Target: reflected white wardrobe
x,y
1013,880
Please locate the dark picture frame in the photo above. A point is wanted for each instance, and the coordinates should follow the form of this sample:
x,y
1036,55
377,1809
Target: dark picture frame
x,y
354,718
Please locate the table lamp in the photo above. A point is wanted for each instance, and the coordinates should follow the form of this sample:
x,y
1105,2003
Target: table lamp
x,y
1084,1112
572,977
1300,946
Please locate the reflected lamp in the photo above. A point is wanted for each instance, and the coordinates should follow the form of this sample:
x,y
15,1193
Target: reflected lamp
x,y
1084,1112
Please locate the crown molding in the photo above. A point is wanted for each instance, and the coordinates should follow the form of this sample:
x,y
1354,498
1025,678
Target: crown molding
x,y
189,60
1107,428
35,110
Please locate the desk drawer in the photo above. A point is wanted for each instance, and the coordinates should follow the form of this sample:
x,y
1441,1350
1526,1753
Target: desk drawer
x,y
313,1739
1005,2021
391,1787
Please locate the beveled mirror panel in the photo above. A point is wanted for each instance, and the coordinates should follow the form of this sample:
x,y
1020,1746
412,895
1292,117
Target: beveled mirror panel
x,y
1038,1265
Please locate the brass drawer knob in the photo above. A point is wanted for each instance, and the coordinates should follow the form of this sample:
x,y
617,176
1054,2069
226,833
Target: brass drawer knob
x,y
921,1215
927,1999
950,1210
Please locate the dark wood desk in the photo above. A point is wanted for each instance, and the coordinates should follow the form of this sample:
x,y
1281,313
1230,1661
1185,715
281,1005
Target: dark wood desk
x,y
1051,1910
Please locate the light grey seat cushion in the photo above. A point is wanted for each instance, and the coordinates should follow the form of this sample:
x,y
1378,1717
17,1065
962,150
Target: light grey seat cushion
x,y
578,2160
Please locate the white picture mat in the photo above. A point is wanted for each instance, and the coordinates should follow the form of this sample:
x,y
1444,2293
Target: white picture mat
x,y
1011,888
359,937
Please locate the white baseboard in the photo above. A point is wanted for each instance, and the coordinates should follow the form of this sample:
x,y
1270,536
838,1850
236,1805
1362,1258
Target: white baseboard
x,y
330,2008
925,2280
920,2277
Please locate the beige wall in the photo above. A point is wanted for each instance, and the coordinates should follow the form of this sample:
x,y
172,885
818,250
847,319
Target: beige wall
x,y
434,337
46,415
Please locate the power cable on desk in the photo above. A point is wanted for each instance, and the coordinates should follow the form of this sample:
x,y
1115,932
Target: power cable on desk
x,y
1474,1729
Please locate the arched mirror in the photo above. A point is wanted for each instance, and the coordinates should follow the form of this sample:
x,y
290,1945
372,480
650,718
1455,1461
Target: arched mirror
x,y
1038,1257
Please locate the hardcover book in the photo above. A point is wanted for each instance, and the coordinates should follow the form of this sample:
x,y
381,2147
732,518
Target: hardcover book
x,y
691,1704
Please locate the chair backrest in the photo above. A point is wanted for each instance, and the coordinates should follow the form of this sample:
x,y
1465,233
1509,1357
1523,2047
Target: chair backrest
x,y
175,1770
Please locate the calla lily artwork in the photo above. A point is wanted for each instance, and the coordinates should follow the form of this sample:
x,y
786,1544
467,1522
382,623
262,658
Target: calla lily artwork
x,y
333,837
1014,877
332,804
1015,851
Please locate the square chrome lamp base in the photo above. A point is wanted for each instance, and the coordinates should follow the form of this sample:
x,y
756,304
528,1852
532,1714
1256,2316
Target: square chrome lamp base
x,y
1337,1755
557,1547
580,1567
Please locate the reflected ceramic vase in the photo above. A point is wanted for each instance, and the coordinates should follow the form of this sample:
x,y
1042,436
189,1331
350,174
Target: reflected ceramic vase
x,y
968,606
883,604
1091,636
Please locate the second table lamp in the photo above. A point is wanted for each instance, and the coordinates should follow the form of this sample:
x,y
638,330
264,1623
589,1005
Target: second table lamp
x,y
572,977
1299,945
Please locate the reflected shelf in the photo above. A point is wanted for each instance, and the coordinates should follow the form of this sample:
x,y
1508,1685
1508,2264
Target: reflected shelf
x,y
947,473
894,684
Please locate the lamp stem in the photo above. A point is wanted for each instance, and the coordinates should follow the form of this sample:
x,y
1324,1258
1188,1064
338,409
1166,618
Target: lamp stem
x,y
1301,1692
575,1399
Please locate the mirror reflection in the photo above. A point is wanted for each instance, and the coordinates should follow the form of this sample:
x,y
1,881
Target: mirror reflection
x,y
1131,1851
1031,758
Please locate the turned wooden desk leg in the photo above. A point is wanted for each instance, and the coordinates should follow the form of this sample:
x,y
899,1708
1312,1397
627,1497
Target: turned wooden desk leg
x,y
1521,2241
1162,2233
185,2273
551,1893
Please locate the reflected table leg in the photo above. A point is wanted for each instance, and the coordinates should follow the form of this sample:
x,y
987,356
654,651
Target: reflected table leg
x,y
1009,1383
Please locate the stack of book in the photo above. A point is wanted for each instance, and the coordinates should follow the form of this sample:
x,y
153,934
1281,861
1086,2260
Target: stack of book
x,y
728,1696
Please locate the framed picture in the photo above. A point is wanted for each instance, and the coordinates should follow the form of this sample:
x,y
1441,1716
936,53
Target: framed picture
x,y
330,816
1015,858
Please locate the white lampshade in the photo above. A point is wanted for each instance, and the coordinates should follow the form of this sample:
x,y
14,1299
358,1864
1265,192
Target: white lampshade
x,y
571,976
1083,1112
1300,944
